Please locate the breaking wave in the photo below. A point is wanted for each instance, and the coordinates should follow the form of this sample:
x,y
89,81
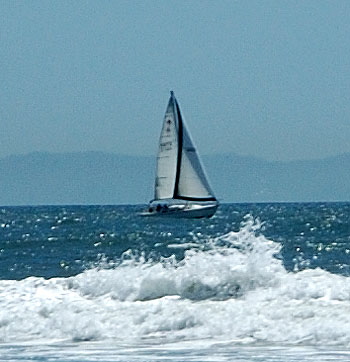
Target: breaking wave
x,y
233,288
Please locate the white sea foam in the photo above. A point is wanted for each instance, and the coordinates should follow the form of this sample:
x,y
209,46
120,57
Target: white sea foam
x,y
233,289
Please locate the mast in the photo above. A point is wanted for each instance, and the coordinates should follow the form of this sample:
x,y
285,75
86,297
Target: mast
x,y
178,120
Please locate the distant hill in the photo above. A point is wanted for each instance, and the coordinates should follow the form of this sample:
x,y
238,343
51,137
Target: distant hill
x,y
102,178
249,179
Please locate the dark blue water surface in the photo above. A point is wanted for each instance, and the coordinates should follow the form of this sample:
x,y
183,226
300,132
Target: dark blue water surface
x,y
51,241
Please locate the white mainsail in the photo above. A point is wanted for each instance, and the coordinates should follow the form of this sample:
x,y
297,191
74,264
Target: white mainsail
x,y
167,156
180,174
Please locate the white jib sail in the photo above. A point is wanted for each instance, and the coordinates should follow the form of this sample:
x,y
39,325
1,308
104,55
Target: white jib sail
x,y
193,182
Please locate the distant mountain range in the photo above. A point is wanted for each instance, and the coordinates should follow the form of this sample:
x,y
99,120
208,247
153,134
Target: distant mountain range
x,y
102,178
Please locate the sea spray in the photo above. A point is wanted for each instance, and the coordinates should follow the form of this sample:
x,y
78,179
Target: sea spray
x,y
223,267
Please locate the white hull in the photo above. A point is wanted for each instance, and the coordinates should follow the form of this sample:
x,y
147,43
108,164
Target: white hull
x,y
184,211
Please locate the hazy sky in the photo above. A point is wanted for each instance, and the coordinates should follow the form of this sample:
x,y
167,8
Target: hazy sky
x,y
263,78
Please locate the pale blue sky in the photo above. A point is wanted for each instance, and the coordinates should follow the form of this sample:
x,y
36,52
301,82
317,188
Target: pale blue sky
x,y
263,78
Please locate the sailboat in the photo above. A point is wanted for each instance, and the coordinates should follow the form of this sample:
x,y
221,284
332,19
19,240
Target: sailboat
x,y
181,188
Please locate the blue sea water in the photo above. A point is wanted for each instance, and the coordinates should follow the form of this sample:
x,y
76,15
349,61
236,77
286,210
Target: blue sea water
x,y
257,282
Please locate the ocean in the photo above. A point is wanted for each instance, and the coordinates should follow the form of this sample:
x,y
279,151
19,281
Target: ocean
x,y
257,282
